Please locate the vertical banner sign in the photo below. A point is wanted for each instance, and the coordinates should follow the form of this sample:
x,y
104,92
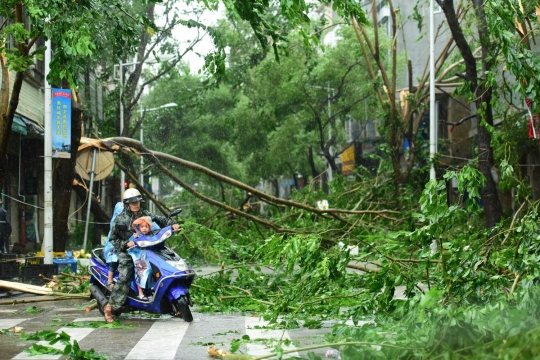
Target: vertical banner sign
x,y
61,123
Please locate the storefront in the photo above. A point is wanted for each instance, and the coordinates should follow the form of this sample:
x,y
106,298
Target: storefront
x,y
23,181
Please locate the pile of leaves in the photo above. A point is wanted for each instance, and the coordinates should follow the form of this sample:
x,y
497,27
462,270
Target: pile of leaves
x,y
66,282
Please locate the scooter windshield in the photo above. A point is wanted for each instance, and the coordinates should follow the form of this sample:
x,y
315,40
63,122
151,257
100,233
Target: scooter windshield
x,y
144,241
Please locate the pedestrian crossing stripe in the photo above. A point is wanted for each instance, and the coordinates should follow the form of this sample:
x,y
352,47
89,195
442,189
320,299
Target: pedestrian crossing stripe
x,y
10,323
175,330
253,329
153,339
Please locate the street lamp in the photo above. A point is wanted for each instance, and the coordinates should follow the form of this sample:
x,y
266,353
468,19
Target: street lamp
x,y
432,123
142,111
119,75
47,152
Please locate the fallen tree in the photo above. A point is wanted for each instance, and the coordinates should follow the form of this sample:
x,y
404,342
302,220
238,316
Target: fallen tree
x,y
39,290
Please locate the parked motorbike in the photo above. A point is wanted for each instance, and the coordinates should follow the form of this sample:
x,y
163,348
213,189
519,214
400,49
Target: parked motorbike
x,y
168,281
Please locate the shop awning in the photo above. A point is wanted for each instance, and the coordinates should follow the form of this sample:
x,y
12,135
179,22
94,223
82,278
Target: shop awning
x,y
24,126
19,126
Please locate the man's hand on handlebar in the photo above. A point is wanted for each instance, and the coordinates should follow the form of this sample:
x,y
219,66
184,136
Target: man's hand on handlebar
x,y
176,227
130,245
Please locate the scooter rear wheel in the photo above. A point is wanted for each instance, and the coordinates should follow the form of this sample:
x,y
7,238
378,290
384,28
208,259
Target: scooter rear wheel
x,y
183,309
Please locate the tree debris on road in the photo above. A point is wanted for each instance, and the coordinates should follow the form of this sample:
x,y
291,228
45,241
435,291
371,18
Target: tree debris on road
x,y
60,287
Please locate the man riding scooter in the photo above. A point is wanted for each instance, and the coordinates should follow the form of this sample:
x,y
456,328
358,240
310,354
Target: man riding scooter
x,y
120,240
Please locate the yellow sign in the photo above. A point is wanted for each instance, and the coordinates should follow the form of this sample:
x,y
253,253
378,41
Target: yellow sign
x,y
347,160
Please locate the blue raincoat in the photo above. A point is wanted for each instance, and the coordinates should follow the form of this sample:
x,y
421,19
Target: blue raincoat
x,y
142,265
108,249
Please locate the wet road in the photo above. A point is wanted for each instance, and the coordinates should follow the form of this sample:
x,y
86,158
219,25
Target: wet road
x,y
163,338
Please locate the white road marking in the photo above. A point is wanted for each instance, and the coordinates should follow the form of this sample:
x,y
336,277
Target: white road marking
x,y
9,323
161,341
260,349
95,318
7,311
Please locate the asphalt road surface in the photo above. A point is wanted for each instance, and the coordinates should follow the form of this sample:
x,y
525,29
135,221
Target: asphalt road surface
x,y
163,338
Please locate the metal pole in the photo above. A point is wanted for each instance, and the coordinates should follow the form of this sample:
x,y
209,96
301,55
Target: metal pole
x,y
89,197
141,179
432,122
47,152
121,92
142,112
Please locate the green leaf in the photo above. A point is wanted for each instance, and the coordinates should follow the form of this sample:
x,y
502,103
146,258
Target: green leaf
x,y
430,298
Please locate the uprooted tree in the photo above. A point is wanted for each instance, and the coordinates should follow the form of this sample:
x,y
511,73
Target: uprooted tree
x,y
163,163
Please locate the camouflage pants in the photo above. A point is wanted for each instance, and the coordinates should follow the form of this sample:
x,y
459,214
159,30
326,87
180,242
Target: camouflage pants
x,y
125,275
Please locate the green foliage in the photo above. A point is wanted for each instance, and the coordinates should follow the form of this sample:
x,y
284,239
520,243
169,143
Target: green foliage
x,y
262,120
204,243
71,349
495,330
475,295
295,13
33,310
520,60
76,29
97,325
77,238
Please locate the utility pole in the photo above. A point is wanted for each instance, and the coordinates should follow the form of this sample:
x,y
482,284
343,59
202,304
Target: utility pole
x,y
432,123
121,93
47,152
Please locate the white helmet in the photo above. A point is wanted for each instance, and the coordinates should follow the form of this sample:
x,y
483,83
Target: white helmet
x,y
131,195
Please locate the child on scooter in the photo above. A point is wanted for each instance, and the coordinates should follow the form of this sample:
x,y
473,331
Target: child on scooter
x,y
142,226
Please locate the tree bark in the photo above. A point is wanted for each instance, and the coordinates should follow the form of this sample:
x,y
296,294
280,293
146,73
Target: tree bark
x,y
483,97
9,98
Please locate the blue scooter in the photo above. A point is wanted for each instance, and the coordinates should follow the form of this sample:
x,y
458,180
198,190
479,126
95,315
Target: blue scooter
x,y
168,281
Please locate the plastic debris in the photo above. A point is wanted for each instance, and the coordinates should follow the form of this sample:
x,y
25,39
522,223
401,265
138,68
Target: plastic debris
x,y
333,354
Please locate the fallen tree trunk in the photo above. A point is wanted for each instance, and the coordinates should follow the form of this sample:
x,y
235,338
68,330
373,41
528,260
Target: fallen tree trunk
x,y
38,290
32,289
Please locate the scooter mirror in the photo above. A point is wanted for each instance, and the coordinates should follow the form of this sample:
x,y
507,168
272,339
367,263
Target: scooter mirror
x,y
175,212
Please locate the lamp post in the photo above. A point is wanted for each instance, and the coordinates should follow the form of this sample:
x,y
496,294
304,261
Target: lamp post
x,y
142,111
119,75
47,181
432,122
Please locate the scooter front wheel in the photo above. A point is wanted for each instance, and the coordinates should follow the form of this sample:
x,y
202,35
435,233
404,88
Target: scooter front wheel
x,y
182,309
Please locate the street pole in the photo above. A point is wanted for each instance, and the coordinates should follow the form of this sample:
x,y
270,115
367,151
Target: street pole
x,y
432,123
142,112
141,176
121,92
47,154
88,209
